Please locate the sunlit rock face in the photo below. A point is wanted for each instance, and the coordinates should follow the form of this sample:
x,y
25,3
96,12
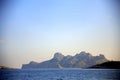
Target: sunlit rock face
x,y
80,60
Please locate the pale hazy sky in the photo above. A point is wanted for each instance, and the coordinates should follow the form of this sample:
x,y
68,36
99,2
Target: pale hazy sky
x,y
33,30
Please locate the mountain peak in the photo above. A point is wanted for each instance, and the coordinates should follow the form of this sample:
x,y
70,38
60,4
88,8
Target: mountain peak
x,y
101,55
59,56
83,53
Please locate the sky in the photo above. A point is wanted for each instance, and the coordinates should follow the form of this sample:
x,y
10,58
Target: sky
x,y
33,30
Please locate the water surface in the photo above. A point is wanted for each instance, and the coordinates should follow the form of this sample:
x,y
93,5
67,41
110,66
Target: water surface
x,y
60,74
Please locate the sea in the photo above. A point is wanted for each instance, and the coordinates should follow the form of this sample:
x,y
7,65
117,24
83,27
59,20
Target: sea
x,y
60,74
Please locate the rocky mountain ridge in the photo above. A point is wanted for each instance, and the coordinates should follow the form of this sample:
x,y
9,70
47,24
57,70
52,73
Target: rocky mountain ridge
x,y
80,60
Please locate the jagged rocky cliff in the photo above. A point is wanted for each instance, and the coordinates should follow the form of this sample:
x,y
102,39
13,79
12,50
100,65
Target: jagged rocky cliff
x,y
81,60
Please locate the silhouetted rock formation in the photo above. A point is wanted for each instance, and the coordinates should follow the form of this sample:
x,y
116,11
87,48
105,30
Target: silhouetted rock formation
x,y
4,67
108,65
81,60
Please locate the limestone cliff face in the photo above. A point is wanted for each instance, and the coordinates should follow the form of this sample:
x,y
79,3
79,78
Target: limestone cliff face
x,y
81,60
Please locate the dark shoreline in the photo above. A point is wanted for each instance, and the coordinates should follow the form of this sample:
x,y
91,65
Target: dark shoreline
x,y
107,65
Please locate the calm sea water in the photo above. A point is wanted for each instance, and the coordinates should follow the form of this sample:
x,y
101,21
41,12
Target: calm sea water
x,y
60,74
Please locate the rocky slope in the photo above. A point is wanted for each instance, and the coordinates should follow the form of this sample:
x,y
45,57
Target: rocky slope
x,y
108,65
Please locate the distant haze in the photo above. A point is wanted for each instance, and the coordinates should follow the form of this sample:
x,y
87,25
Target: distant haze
x,y
33,30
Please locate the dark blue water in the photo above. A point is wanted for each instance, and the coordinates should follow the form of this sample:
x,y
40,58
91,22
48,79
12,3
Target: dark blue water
x,y
60,74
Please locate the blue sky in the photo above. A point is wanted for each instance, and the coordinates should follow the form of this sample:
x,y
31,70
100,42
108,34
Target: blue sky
x,y
36,29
